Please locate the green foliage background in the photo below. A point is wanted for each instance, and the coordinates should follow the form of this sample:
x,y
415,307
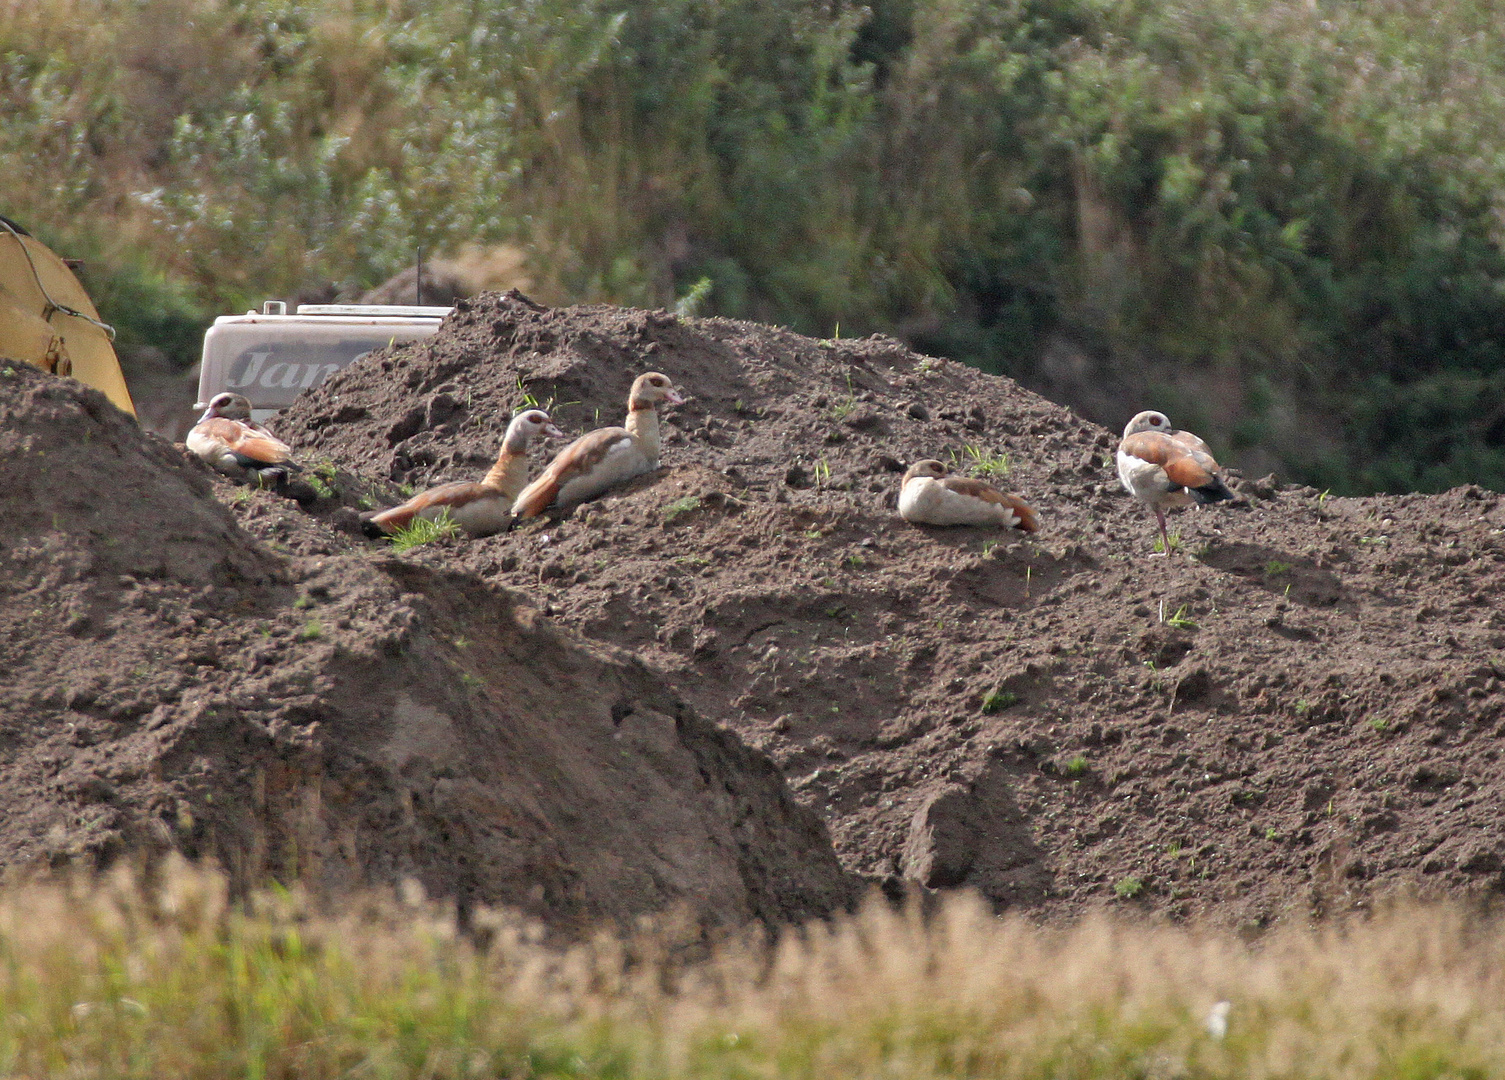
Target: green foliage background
x,y
1283,220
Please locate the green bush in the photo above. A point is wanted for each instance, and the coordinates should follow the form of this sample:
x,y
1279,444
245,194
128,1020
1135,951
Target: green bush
x,y
1279,215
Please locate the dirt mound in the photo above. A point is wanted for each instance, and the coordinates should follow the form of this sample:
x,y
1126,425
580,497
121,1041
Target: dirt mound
x,y
344,718
1299,709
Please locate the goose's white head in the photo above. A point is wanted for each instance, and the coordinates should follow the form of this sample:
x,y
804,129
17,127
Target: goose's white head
x,y
652,389
229,406
530,423
1149,420
929,467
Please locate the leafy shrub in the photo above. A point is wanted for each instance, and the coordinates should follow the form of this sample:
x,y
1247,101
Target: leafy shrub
x,y
1264,212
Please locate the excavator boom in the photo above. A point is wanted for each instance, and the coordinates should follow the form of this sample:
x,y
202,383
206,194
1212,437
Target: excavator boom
x,y
48,321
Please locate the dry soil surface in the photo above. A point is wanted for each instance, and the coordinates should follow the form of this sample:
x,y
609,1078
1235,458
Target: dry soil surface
x,y
344,719
1298,710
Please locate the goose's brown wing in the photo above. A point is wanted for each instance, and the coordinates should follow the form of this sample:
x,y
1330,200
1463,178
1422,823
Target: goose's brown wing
x,y
1029,521
575,460
1185,465
254,446
453,496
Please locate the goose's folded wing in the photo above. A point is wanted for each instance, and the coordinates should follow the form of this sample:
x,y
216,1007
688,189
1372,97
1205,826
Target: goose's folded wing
x,y
575,461
252,446
1185,465
452,496
253,443
1191,442
980,489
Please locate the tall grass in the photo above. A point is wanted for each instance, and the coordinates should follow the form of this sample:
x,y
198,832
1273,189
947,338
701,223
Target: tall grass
x,y
172,980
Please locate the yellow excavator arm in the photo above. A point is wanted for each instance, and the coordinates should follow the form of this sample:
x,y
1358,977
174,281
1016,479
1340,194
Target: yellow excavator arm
x,y
47,319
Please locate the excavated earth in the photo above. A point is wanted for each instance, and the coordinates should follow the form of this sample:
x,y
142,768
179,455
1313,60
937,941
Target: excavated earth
x,y
1297,712
344,719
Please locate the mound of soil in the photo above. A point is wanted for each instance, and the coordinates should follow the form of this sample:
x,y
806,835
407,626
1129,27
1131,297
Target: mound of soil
x,y
1297,710
347,719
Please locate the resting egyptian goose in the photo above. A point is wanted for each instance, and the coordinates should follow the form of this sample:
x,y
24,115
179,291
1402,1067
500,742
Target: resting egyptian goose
x,y
605,457
928,496
480,508
230,441
1163,467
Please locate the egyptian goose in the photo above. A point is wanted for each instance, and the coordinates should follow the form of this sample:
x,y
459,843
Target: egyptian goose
x,y
928,496
480,508
1163,467
604,457
230,441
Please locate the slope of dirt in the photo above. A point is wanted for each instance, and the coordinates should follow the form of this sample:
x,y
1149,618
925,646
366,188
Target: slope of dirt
x,y
1301,708
347,719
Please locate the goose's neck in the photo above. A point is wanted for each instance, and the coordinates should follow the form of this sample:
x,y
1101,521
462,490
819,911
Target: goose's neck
x,y
510,473
642,424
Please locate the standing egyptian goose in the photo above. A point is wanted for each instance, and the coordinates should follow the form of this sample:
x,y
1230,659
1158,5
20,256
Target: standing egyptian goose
x,y
928,496
230,441
604,457
480,508
1163,467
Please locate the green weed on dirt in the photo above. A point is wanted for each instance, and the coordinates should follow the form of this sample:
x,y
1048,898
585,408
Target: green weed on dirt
x,y
125,981
425,531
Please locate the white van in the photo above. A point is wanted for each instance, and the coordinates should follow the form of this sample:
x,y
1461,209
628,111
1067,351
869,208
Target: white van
x,y
271,357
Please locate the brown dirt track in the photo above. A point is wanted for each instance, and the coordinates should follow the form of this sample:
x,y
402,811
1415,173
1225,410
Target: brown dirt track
x,y
1320,725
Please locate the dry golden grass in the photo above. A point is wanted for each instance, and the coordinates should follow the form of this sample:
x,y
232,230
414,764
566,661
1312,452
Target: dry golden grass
x,y
116,979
